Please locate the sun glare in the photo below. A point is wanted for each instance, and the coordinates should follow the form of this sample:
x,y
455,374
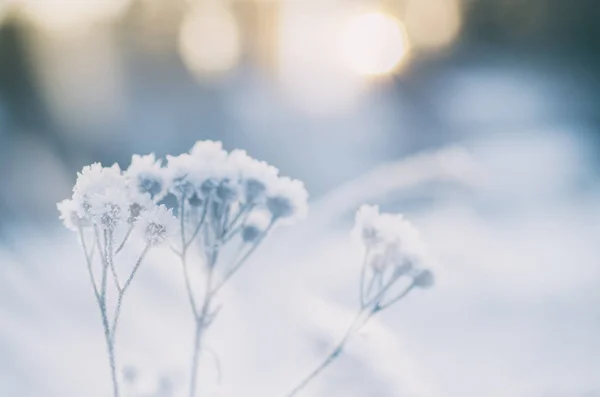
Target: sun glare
x,y
432,24
67,16
209,40
374,44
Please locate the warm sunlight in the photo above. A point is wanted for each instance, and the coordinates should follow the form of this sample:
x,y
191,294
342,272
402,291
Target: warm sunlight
x,y
66,16
432,23
209,39
374,43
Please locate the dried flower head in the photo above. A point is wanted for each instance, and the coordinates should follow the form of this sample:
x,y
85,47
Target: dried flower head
x,y
288,199
145,176
157,224
392,243
68,214
179,174
255,176
100,195
256,224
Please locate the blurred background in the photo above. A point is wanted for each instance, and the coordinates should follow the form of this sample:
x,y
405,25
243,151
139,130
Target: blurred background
x,y
502,96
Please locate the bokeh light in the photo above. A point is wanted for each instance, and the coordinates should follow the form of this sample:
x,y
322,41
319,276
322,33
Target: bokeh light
x,y
374,43
65,16
209,40
432,24
311,72
3,10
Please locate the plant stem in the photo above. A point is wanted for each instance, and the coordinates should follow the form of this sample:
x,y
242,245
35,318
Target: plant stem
x,y
358,322
110,347
201,323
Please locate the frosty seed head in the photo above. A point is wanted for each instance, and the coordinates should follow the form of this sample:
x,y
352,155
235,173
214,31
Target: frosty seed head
x,y
423,278
250,233
195,200
255,176
254,191
256,225
157,224
391,241
69,215
109,208
178,171
145,176
287,199
227,191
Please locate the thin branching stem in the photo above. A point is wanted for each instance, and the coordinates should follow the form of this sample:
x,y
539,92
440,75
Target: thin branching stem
x,y
183,257
199,225
124,289
120,247
111,262
363,275
243,259
88,259
359,320
217,361
384,305
368,310
201,322
110,348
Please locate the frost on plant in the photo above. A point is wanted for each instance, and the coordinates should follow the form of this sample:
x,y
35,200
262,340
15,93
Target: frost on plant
x,y
107,204
218,197
197,203
393,265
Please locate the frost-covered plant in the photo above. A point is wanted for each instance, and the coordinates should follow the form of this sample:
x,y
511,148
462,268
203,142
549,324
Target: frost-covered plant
x,y
220,198
223,197
393,265
106,207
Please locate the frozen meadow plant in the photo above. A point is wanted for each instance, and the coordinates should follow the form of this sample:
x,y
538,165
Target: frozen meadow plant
x,y
393,265
107,204
224,198
220,199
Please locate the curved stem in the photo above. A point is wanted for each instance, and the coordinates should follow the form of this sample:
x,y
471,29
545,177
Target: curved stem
x,y
242,260
384,305
363,275
124,239
198,226
88,259
356,324
110,259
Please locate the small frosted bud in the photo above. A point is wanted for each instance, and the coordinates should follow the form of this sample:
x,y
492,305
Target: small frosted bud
x,y
256,176
182,187
69,216
424,279
135,209
145,175
195,200
227,191
256,224
280,207
179,172
403,268
250,233
287,198
151,186
255,191
208,186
